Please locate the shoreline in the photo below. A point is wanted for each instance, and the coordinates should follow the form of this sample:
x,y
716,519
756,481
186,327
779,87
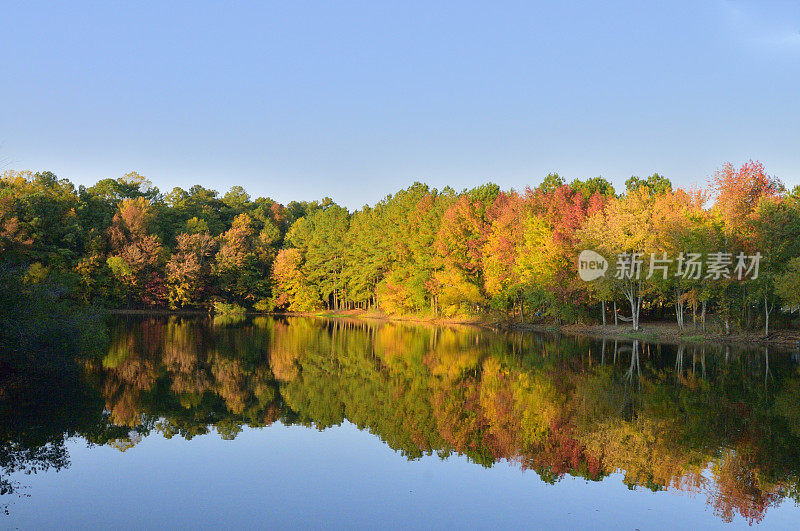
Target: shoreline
x,y
666,333
655,332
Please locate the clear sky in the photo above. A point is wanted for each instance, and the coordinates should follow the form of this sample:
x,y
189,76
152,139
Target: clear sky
x,y
355,100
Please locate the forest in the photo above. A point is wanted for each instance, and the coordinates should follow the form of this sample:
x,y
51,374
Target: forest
x,y
423,252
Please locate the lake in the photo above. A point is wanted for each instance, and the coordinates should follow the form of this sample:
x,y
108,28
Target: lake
x,y
303,422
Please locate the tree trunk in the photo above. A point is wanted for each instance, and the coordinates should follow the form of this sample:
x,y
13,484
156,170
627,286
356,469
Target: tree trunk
x,y
636,307
632,302
703,315
633,292
766,315
616,319
603,310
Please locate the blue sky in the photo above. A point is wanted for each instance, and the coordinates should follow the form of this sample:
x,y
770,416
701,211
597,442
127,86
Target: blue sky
x,y
352,100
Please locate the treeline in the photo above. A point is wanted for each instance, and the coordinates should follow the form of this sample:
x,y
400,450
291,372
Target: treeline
x,y
123,243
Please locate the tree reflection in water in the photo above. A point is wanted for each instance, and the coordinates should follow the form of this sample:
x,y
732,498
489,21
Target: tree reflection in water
x,y
717,422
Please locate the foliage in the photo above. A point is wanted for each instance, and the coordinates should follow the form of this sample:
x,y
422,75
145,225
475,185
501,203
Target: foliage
x,y
421,251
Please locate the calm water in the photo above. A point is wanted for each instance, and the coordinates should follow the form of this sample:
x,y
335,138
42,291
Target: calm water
x,y
315,423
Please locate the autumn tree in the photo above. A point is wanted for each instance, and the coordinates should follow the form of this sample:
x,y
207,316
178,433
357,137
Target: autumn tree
x,y
189,269
551,248
738,192
505,236
137,255
239,278
623,233
460,243
405,255
681,229
776,236
293,291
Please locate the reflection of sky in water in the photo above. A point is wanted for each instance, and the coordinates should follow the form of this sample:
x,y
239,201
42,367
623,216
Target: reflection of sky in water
x,y
341,477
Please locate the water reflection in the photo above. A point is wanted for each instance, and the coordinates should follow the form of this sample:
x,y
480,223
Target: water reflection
x,y
717,422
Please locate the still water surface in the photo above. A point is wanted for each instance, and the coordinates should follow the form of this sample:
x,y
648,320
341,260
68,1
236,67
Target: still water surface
x,y
286,422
